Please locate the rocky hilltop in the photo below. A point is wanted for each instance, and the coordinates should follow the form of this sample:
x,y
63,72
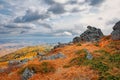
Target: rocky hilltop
x,y
91,34
116,31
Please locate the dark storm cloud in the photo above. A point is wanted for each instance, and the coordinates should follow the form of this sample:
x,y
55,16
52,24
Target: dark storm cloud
x,y
57,8
95,2
31,16
46,25
72,2
19,26
49,2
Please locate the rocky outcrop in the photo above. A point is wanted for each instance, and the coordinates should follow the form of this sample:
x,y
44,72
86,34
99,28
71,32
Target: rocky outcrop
x,y
116,31
17,62
53,57
91,34
62,45
27,73
88,55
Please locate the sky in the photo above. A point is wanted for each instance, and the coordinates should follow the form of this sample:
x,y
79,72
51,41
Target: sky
x,y
57,17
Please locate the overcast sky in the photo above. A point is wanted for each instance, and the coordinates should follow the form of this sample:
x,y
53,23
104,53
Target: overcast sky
x,y
57,17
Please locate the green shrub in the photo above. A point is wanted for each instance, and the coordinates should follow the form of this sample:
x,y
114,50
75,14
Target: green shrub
x,y
44,67
111,77
101,51
100,66
114,58
79,44
96,44
81,51
77,61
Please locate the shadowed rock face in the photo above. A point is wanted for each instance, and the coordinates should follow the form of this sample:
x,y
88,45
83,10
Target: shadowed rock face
x,y
91,34
116,31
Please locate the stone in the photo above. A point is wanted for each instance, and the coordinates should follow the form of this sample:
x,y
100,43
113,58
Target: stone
x,y
60,45
40,54
2,70
117,26
92,34
27,74
116,31
89,55
24,61
53,57
76,39
13,62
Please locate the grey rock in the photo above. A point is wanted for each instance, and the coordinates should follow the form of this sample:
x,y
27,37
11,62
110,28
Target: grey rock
x,y
117,26
17,62
89,55
40,54
116,35
76,39
24,61
53,57
2,70
60,45
116,31
13,62
27,74
90,35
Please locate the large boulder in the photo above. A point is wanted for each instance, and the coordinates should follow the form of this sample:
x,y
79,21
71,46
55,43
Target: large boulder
x,y
76,39
27,73
117,26
116,31
53,57
91,34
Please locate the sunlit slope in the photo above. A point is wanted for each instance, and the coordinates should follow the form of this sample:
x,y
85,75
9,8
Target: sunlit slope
x,y
26,52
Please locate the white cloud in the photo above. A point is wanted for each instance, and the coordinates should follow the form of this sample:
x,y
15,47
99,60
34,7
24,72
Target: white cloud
x,y
78,12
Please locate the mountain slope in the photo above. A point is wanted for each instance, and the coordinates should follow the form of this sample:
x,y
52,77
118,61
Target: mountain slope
x,y
91,61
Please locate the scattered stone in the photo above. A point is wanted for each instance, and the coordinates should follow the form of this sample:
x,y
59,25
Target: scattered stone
x,y
2,70
53,57
116,31
59,45
40,54
17,62
88,55
13,62
27,74
24,61
92,34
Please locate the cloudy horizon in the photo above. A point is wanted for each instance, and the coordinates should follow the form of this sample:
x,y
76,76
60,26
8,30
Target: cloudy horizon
x,y
57,17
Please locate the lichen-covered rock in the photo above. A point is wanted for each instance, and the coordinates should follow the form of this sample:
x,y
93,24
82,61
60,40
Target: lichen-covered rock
x,y
116,31
27,74
53,57
91,34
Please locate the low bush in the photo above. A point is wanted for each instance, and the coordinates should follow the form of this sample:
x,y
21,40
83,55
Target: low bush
x,y
80,51
79,44
44,67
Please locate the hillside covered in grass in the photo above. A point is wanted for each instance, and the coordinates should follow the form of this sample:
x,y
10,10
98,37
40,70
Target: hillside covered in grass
x,y
103,64
91,56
